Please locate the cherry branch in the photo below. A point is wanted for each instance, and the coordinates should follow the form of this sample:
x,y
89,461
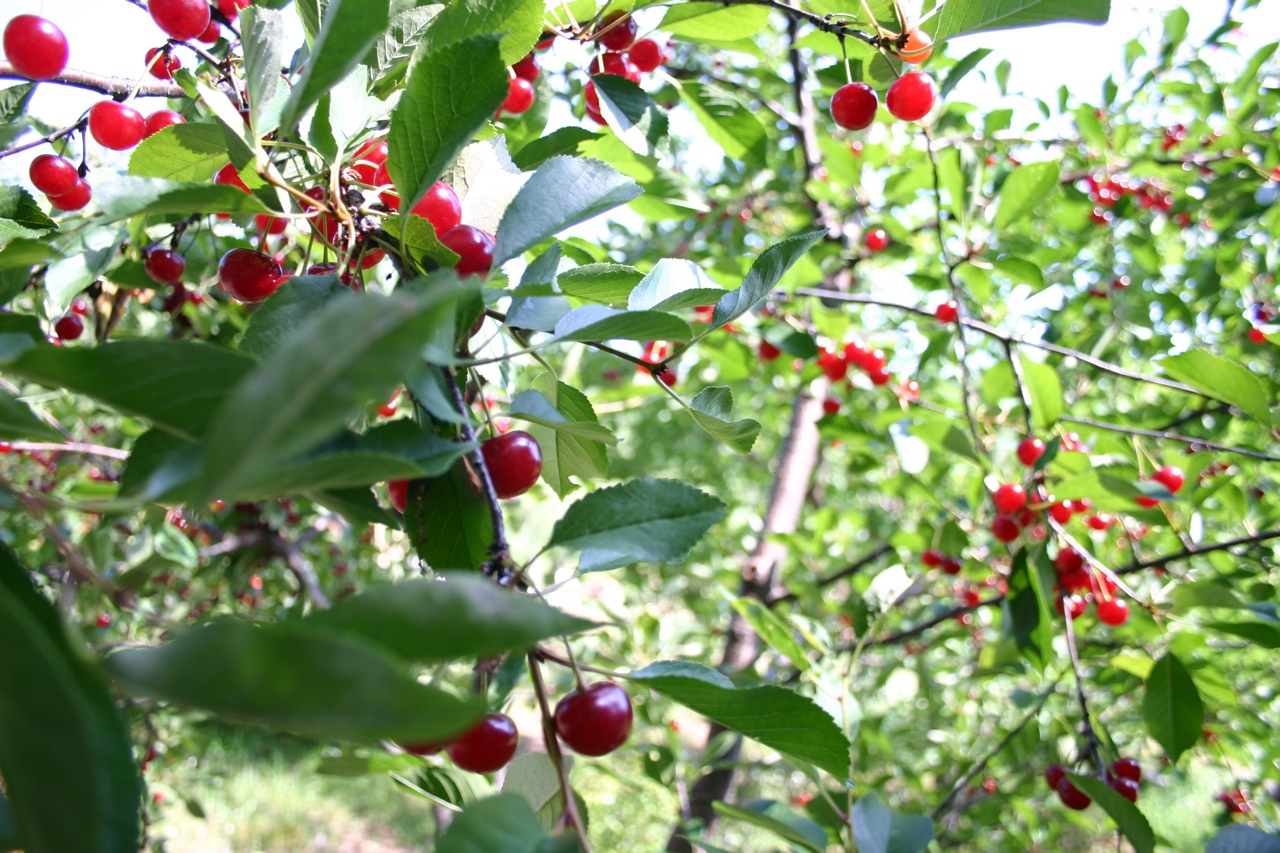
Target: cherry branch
x,y
499,548
1090,747
72,447
45,140
1169,436
115,86
828,580
825,23
1195,551
274,545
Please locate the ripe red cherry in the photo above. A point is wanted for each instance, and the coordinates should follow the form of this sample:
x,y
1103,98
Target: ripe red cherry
x,y
1126,788
768,352
248,276
1005,528
35,47
1061,511
1068,561
159,120
1127,768
116,126
1113,611
231,8
270,225
369,159
103,620
931,558
527,68
876,240
594,721
614,63
161,65
77,198
181,19
230,177
1054,773
211,33
1071,796
618,31
514,461
69,327
1009,498
1076,603
53,175
519,96
917,48
853,106
487,746
473,246
1030,450
1170,477
645,55
912,96
947,312
952,565
1256,335
831,406
398,494
164,266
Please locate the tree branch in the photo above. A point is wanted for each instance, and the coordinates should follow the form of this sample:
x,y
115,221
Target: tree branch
x,y
828,580
115,86
1169,436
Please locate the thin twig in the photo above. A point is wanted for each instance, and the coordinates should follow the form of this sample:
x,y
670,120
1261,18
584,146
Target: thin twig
x,y
1090,747
118,86
1169,436
72,447
851,569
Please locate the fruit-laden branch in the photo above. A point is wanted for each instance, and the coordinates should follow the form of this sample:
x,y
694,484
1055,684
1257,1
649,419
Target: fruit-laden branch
x,y
825,23
1170,436
117,86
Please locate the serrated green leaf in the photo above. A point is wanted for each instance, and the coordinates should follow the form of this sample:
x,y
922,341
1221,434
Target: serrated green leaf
x,y
18,421
608,284
285,310
773,629
632,114
194,152
730,123
1045,390
674,285
20,216
1132,823
1220,379
564,140
566,454
1026,188
711,409
519,22
1172,707
348,31
128,196
262,40
955,19
447,520
599,323
1029,611
878,829
764,275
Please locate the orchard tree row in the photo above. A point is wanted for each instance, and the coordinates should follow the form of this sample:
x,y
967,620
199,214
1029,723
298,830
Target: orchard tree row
x,y
866,480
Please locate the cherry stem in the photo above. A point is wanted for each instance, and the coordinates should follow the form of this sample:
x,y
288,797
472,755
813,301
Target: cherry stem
x,y
499,548
1090,746
553,752
115,86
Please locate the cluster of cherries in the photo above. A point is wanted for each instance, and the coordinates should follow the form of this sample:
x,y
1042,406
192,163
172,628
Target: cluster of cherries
x,y
593,720
1106,192
1077,585
1124,777
1261,315
621,54
910,97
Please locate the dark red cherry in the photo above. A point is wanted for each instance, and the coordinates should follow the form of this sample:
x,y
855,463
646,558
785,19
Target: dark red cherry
x,y
487,746
35,47
618,31
249,276
473,246
1126,788
854,105
368,159
1127,768
398,494
1071,796
69,327
53,175
594,721
164,266
1054,773
514,462
1005,528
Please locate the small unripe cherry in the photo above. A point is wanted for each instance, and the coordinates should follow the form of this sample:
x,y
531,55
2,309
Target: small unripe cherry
x,y
854,105
917,48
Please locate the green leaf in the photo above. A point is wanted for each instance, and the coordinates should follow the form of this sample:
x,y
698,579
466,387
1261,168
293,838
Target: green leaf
x,y
713,23
674,285
519,22
241,146
763,276
957,18
562,192
533,406
1172,707
1205,594
20,216
564,140
535,778
18,421
285,310
1263,634
451,93
565,452
357,348
348,31
128,196
419,241
447,519
1238,838
182,152
292,677
448,787
731,124
23,254
356,763
608,284
63,747
1024,190
641,520
778,718
776,818
878,829
599,323
1045,390
1214,376
773,629
262,39
503,823
450,617
632,114
1029,612
177,385
357,506
960,69
712,408
402,37
1132,823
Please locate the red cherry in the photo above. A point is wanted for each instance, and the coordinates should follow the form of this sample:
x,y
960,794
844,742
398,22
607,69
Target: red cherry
x,y
53,175
270,225
947,313
618,31
1005,528
768,352
487,746
952,565
879,376
77,198
35,47
912,96
854,105
248,276
69,327
1030,450
116,126
1127,768
229,176
831,406
514,461
545,42
103,620
78,307
917,48
231,8
398,494
1077,603
1009,498
876,240
181,19
594,721
1126,788
1170,477
161,63
1061,511
1071,796
1068,561
211,33
159,120
1256,335
1113,611
367,160
645,55
473,246
164,266
613,63
931,558
527,68
1100,216
519,96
